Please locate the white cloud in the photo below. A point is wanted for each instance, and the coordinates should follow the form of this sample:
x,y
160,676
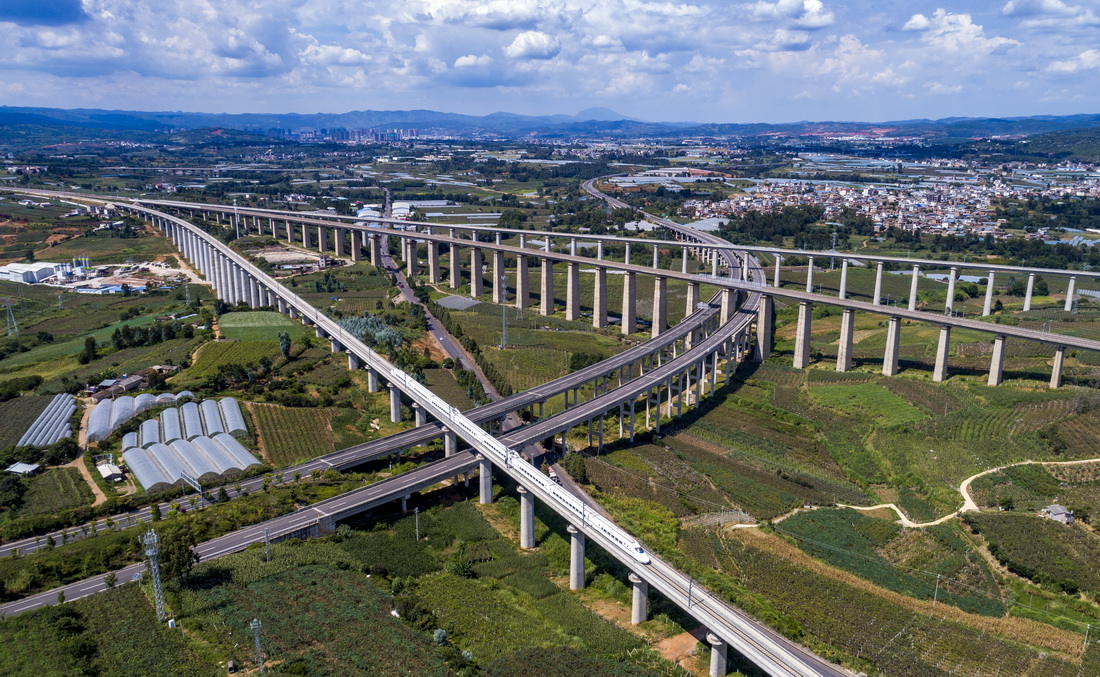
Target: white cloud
x,y
533,45
1087,60
940,88
785,40
917,22
471,60
809,14
1050,14
956,33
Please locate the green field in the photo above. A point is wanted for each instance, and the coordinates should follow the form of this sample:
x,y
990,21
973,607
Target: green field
x,y
442,382
56,490
16,415
260,325
290,435
870,399
218,353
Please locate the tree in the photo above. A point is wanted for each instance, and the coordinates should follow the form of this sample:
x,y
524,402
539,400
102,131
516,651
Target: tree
x,y
177,553
284,344
110,579
29,255
89,352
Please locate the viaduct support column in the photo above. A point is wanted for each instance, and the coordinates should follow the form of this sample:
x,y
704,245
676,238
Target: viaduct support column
x,y
718,658
420,414
599,299
844,279
893,342
942,350
522,280
500,284
576,558
728,305
878,285
434,273
253,293
1056,372
629,302
997,362
475,272
456,270
573,292
913,288
802,335
412,264
485,480
844,352
372,380
1030,290
338,241
356,245
692,298
526,519
546,296
810,274
395,404
660,306
778,263
639,608
450,442
764,318
375,250
1069,294
305,237
322,238
988,307
951,280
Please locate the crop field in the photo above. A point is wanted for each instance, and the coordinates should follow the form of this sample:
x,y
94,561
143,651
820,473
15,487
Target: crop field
x,y
16,415
290,435
442,382
105,249
217,353
56,490
870,399
259,325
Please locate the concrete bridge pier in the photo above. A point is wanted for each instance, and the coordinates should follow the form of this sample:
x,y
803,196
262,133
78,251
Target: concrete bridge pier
x,y
878,285
526,519
322,239
997,362
253,293
434,274
893,344
356,245
599,297
660,306
1070,293
951,280
338,241
412,262
576,558
728,306
353,362
546,291
987,308
639,607
420,414
942,351
913,288
630,301
692,298
375,249
764,319
395,404
810,274
475,272
573,292
844,279
372,380
802,335
1059,361
336,346
847,331
485,480
718,656
1030,290
500,284
713,253
289,232
306,243
523,296
450,442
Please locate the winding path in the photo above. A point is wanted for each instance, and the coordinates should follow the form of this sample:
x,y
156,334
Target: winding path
x,y
964,489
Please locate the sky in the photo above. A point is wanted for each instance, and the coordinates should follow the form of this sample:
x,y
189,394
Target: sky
x,y
695,60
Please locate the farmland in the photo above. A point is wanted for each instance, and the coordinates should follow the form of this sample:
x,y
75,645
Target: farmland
x,y
213,355
260,325
291,435
55,490
16,415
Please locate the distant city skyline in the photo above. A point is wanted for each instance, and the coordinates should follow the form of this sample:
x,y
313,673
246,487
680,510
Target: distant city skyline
x,y
696,60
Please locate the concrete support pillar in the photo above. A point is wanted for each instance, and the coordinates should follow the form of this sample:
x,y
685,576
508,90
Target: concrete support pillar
x,y
952,278
942,351
395,404
1056,371
456,266
475,272
356,245
802,335
847,330
546,294
353,362
728,305
523,296
810,275
412,262
718,657
629,302
844,279
322,238
526,519
421,415
372,380
253,293
893,343
375,249
778,265
306,244
997,362
338,241
660,305
434,273
450,442
878,284
599,298
500,284
913,288
573,292
576,558
639,607
1030,291
485,480
987,308
1070,291
764,318
289,232
692,298
337,347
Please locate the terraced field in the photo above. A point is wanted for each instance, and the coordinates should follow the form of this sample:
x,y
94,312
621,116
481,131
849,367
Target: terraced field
x,y
218,353
290,435
259,325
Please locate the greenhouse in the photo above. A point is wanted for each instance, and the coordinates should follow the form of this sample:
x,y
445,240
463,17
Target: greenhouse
x,y
231,414
170,425
192,421
211,417
150,432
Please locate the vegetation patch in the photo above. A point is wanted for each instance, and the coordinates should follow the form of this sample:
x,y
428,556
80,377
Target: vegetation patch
x,y
292,434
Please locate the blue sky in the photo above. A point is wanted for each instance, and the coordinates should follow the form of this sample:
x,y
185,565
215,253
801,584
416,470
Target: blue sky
x,y
702,60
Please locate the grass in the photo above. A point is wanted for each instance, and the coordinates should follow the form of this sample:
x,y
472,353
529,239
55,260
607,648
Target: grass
x,y
218,353
870,399
442,382
56,490
259,325
290,435
17,414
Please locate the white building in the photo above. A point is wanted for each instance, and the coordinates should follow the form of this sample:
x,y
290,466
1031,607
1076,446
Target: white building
x,y
29,273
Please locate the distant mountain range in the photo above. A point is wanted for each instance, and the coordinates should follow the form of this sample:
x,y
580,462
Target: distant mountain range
x,y
593,122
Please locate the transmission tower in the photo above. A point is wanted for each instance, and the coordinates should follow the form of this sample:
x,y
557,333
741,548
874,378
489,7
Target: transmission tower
x,y
255,625
13,326
151,551
60,301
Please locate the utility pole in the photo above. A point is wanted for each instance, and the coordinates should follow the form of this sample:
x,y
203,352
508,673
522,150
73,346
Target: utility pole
x,y
255,625
936,594
416,513
267,544
236,219
151,551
